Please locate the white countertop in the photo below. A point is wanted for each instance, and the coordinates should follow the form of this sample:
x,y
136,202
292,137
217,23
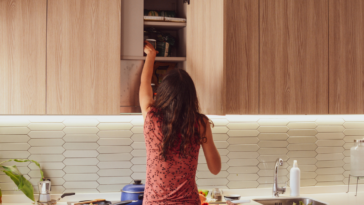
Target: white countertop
x,y
334,195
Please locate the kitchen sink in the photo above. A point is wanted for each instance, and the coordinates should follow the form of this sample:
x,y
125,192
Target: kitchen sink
x,y
288,201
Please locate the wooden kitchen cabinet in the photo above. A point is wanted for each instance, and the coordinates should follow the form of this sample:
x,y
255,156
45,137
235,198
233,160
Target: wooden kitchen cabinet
x,y
293,57
346,58
83,57
222,55
22,56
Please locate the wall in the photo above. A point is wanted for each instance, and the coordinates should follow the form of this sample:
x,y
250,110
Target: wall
x,y
103,153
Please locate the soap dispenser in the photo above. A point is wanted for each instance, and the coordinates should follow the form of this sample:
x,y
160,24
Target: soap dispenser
x,y
295,176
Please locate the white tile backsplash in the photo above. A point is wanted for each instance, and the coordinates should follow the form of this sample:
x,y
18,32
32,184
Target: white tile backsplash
x,y
90,154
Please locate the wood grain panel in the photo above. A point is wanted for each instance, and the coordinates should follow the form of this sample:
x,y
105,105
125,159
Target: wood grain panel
x,y
22,56
205,53
83,57
294,56
346,64
241,27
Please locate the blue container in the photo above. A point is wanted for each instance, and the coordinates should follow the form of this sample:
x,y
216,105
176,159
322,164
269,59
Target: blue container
x,y
133,192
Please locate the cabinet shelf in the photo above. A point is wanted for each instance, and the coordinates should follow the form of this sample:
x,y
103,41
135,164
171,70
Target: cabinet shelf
x,y
169,59
164,24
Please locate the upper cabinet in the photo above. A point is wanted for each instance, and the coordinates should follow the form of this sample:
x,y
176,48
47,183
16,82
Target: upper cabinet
x,y
222,55
22,56
83,57
205,53
293,57
241,36
346,56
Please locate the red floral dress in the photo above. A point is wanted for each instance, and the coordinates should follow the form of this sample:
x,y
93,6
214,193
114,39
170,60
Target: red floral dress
x,y
171,181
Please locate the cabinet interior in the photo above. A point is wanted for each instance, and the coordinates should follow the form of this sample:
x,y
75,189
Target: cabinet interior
x,y
132,40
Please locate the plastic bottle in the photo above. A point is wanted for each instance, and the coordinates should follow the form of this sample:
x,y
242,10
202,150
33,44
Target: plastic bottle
x,y
295,175
357,158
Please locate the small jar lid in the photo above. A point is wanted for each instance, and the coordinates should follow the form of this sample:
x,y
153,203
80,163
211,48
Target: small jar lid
x,y
359,140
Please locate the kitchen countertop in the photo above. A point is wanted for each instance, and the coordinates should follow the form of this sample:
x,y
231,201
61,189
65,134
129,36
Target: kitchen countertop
x,y
334,195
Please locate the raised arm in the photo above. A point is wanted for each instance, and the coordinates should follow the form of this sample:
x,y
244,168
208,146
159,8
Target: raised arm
x,y
211,154
145,91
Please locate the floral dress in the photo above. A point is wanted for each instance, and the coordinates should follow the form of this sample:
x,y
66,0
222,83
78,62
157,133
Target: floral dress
x,y
171,181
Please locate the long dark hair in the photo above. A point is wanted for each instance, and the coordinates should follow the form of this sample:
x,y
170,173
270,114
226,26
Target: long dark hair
x,y
178,109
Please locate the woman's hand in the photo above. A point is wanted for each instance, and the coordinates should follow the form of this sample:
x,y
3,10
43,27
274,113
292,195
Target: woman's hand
x,y
229,203
149,48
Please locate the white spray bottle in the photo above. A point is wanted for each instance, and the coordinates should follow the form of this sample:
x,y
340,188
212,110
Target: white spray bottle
x,y
295,176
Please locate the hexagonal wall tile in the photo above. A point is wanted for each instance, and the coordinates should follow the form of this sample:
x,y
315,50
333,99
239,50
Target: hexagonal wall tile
x,y
81,122
14,146
322,150
303,146
81,138
46,142
243,140
301,139
46,150
243,126
138,138
114,126
80,153
78,185
81,161
139,160
243,155
15,154
46,126
302,132
302,154
243,148
139,168
243,162
273,136
14,130
302,125
114,141
303,161
115,165
208,175
47,158
273,129
243,170
81,177
114,149
47,165
114,172
333,156
114,180
269,151
80,146
114,157
330,136
81,169
115,134
80,130
242,184
243,133
138,130
273,144
139,153
14,138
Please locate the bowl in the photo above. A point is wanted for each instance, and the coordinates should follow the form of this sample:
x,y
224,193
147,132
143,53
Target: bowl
x,y
232,197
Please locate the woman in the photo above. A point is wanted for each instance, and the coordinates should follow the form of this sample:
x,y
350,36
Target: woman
x,y
173,130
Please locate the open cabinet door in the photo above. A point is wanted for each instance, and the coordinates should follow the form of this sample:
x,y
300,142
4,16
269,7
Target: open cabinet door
x,y
205,53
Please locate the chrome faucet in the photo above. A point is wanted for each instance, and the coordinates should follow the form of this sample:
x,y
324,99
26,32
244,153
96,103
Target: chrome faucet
x,y
277,190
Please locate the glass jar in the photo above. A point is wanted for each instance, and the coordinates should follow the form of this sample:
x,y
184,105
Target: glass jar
x,y
357,158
